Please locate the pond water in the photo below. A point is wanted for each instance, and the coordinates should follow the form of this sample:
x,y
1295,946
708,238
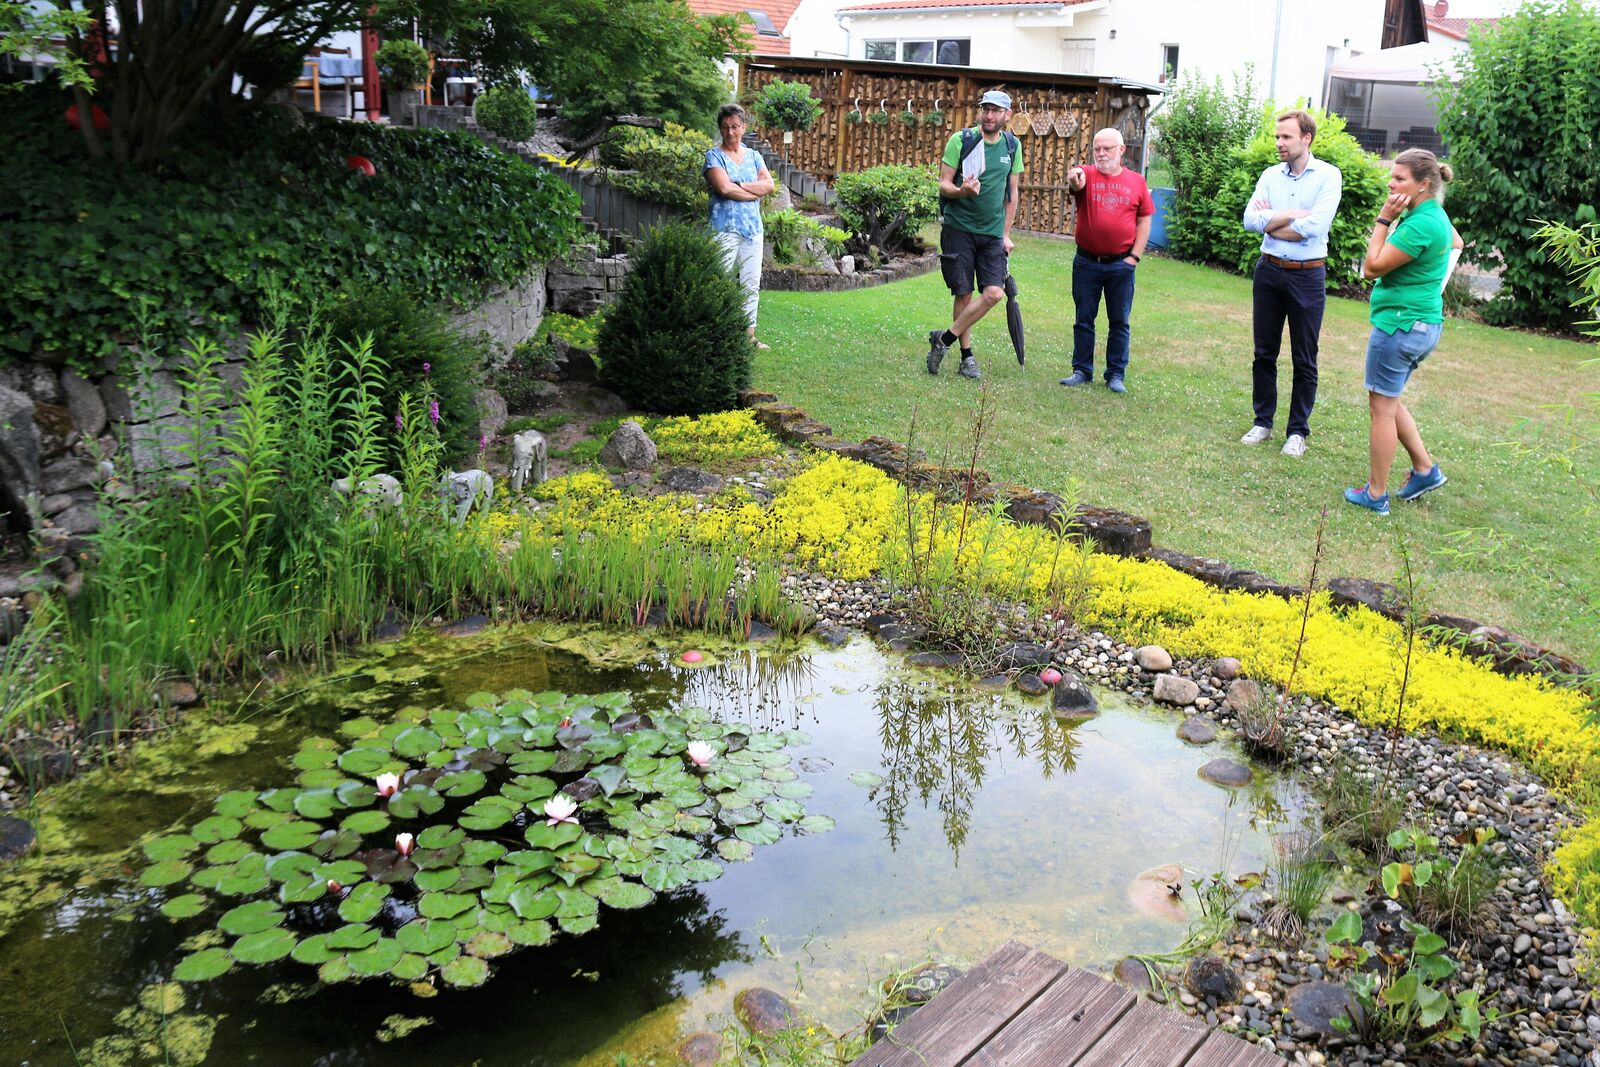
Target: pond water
x,y
980,818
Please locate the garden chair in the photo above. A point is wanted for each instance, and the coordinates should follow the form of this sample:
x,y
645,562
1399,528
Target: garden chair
x,y
330,66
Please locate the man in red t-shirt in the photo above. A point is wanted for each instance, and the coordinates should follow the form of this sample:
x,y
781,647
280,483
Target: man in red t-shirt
x,y
1114,210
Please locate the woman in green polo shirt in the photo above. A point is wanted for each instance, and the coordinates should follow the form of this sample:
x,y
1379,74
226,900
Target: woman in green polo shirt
x,y
1408,255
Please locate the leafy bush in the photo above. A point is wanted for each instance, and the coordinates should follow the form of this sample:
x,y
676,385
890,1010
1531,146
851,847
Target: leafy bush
x,y
676,341
888,204
785,105
1200,126
1520,126
1365,189
668,167
789,230
416,342
101,252
508,110
402,64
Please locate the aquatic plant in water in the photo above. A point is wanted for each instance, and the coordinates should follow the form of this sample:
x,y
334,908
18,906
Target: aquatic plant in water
x,y
441,841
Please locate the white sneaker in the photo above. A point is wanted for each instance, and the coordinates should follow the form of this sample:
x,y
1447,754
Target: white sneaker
x,y
1294,446
1256,435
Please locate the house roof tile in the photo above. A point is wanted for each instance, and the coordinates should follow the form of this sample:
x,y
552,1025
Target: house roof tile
x,y
901,5
1456,28
777,10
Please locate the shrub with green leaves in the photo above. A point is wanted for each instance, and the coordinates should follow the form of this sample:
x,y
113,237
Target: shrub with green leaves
x,y
1520,124
888,204
1365,189
788,232
676,342
1199,127
508,110
668,167
402,63
783,105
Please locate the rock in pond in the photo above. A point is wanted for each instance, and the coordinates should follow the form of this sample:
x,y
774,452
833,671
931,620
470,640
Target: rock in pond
x,y
700,1049
933,659
1227,772
1133,974
832,635
472,624
928,982
37,760
762,1011
1197,730
1241,694
1212,979
1073,698
16,838
179,694
1031,684
994,683
1176,689
1153,658
1151,893
1315,1005
1227,668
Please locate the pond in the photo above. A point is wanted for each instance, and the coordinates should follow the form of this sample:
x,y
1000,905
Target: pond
x,y
964,817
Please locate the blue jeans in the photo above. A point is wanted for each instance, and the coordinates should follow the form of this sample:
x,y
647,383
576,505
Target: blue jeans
x,y
1089,280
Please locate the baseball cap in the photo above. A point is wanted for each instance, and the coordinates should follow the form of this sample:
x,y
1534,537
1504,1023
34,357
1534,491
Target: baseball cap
x,y
997,98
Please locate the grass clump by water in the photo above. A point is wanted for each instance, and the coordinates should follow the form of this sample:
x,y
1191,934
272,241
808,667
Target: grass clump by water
x,y
1301,876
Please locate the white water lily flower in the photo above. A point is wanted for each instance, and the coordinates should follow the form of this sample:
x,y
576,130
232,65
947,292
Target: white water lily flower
x,y
404,843
388,785
700,753
559,809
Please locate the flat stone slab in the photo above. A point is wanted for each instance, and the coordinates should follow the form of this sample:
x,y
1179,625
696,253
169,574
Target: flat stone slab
x,y
1315,1005
1197,730
1227,772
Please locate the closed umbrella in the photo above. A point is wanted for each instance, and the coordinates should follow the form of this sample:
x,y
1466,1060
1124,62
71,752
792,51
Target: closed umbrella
x,y
1014,318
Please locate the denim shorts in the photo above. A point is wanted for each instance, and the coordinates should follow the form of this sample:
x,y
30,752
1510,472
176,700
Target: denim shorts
x,y
1391,357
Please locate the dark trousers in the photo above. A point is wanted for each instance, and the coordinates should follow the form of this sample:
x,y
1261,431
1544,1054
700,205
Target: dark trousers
x,y
1089,281
1297,296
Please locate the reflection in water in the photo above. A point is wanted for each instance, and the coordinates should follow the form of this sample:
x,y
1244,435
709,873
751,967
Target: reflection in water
x,y
767,692
936,745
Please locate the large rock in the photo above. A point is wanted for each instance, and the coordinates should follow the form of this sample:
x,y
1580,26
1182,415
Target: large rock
x,y
37,760
1157,892
1226,668
629,448
1176,689
1242,694
84,402
690,480
1197,730
700,1049
1073,698
1153,658
1314,1006
1133,974
1020,654
19,454
1227,772
492,412
16,838
762,1011
1212,979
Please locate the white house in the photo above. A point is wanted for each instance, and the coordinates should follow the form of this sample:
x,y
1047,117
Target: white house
x,y
1292,43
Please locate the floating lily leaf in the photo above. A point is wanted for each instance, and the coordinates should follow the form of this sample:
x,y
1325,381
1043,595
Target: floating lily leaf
x,y
354,794
314,760
337,844
617,893
440,878
482,700
761,833
702,870
363,902
250,918
335,970
203,966
236,803
528,789
533,761
573,737
312,951
279,799
444,905
376,960
446,954
165,873
783,810
410,968
366,762
208,877
577,924
796,738
441,837
736,817
610,778
302,889
536,932
326,779
676,849
461,783
734,850
365,822
425,936
779,774
480,853
492,917
414,801
473,878
217,828
487,944
315,803
793,790
185,906
244,878
755,788
262,819
816,824
287,865
416,741
264,946
358,727
542,835
490,813
170,847
431,858
386,865
531,860
346,872
465,972
291,835
353,937
534,902
866,779
663,876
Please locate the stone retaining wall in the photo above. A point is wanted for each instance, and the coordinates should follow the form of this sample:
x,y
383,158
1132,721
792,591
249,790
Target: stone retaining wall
x,y
585,280
787,279
509,316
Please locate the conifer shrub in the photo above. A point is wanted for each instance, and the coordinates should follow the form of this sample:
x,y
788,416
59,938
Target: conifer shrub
x,y
676,341
508,110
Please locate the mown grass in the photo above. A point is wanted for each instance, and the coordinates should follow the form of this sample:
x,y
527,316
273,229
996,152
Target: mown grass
x,y
1499,543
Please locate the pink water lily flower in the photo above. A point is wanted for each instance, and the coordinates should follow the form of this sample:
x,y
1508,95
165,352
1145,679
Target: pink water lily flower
x,y
334,887
559,809
404,843
388,785
700,754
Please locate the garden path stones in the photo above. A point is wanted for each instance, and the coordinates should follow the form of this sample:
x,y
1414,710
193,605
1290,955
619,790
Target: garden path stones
x,y
1176,689
700,1049
1241,695
16,838
1226,669
1197,730
1153,658
629,447
1210,978
763,1011
1073,698
690,480
1315,1005
1227,772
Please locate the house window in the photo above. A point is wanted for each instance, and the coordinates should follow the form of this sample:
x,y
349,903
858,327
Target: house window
x,y
763,22
880,50
945,51
916,51
1169,63
1077,55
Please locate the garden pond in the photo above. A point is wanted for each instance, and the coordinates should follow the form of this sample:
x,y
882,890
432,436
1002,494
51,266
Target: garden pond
x,y
963,817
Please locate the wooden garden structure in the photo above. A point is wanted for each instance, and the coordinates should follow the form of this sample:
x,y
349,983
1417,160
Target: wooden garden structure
x,y
1055,117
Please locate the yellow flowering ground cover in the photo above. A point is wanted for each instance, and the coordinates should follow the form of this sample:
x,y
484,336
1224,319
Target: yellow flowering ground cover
x,y
848,520
719,437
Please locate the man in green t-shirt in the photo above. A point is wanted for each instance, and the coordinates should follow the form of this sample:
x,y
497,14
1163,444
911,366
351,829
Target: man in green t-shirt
x,y
978,190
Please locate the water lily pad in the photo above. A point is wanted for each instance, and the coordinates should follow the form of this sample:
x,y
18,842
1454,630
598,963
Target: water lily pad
x,y
676,849
291,836
528,789
264,946
425,936
315,803
354,794
487,944
287,865
366,762
866,779
165,873
416,741
302,889
409,968
353,937
532,761
335,970
336,844
617,893
170,847
536,932
185,906
236,803
365,822
740,816
313,760
734,850
376,960
228,851
542,835
278,799
203,966
761,833
465,972
322,779
262,819
779,774
346,872
793,790
209,877
431,858
479,853
217,828
250,918
816,824
490,813
244,879
413,802
461,783
534,902
358,727
577,925
312,951
444,905
438,878
363,902
783,810
664,876
446,954
702,870
439,837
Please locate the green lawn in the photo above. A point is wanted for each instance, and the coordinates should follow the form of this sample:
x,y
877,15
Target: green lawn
x,y
1169,449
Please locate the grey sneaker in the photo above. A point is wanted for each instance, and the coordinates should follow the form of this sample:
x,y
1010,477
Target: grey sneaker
x,y
1295,446
968,368
936,350
1116,384
1075,379
1255,435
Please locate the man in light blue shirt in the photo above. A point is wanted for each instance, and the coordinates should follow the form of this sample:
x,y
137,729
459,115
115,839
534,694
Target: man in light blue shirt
x,y
1293,207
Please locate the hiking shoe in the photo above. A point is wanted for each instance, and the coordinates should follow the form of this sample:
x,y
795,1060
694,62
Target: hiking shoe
x,y
1417,484
1077,378
1115,384
936,350
1361,498
1296,446
1255,435
968,368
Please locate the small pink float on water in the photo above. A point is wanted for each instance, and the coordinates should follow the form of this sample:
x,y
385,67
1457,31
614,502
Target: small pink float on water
x,y
692,656
1049,676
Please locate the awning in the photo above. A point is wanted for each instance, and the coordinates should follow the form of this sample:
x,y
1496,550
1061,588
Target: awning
x,y
1407,65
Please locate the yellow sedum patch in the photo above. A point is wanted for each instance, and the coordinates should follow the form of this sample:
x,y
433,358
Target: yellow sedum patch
x,y
715,438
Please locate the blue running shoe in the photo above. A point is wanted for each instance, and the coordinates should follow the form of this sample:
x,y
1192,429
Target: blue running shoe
x,y
1417,484
1361,498
1075,379
1115,384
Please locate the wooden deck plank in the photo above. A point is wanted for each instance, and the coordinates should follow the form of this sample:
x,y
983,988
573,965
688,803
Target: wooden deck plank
x,y
1146,1036
1060,1026
1226,1050
957,1022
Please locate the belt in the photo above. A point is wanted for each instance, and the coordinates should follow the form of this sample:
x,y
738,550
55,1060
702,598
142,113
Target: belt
x,y
1115,257
1294,264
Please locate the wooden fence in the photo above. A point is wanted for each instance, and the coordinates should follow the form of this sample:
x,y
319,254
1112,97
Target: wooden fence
x,y
1055,117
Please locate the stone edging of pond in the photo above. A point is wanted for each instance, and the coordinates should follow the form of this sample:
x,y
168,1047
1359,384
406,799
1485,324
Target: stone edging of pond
x,y
791,280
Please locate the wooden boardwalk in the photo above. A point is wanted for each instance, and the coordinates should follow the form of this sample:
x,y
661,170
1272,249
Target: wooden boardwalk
x,y
1023,1008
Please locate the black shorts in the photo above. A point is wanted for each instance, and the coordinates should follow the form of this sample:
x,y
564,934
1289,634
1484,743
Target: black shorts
x,y
963,255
